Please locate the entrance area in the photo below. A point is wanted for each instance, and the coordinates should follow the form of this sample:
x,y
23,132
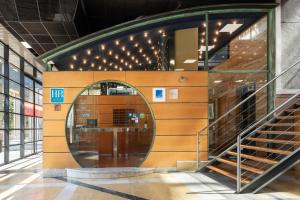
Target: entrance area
x,y
109,125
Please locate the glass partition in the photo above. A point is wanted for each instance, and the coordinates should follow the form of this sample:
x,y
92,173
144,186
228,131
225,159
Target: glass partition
x,y
110,125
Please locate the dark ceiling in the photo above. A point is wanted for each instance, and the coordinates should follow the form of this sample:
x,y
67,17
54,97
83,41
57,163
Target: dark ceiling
x,y
46,24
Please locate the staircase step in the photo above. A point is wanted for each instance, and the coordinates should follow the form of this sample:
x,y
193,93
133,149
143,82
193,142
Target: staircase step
x,y
279,132
282,124
271,150
256,158
273,141
286,117
243,166
292,110
228,174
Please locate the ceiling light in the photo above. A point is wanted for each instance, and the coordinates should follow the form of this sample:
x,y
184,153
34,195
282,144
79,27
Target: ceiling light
x,y
74,57
121,69
84,61
116,57
218,81
99,67
164,35
152,47
80,69
230,28
132,57
116,66
97,57
72,66
215,39
123,48
103,47
26,45
203,33
217,32
145,34
105,69
136,44
117,42
122,60
204,24
149,41
203,48
189,61
110,64
172,62
219,23
104,60
110,52
155,52
93,65
126,63
141,50
131,38
239,81
128,53
88,52
130,66
160,31
202,40
136,61
149,62
144,55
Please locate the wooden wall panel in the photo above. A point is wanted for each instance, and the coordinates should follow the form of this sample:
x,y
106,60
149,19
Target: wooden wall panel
x,y
185,94
50,113
59,160
66,79
55,144
180,111
165,79
180,127
175,143
177,122
54,128
167,159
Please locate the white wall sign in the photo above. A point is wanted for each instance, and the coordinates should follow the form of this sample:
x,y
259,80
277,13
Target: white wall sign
x,y
158,94
173,93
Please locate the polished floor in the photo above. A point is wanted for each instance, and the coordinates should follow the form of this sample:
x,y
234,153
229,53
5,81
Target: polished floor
x,y
23,180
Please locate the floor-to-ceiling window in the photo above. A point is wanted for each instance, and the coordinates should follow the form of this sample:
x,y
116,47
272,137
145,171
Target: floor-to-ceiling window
x,y
20,107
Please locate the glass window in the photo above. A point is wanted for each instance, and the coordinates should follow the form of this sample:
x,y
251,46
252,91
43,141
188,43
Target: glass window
x,y
38,88
14,137
29,135
28,109
28,122
1,50
39,134
14,152
14,89
38,99
28,68
2,84
1,120
1,146
14,105
28,82
38,111
28,95
2,99
14,59
38,123
29,149
14,121
39,76
1,66
14,73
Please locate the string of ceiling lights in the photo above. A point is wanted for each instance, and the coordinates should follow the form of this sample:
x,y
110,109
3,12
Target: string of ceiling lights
x,y
123,53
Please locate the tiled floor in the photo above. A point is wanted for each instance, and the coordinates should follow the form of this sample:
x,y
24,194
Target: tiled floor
x,y
22,180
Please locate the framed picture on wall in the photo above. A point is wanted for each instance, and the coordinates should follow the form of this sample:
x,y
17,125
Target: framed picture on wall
x,y
159,95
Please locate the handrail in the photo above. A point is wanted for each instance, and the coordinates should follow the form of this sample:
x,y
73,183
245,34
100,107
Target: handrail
x,y
255,124
250,96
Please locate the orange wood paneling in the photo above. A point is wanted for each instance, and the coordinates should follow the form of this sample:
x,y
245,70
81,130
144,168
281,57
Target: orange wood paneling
x,y
59,160
167,159
67,79
180,127
54,128
55,144
175,143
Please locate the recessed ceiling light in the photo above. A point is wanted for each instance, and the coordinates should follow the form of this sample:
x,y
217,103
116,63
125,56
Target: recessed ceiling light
x,y
88,52
239,81
203,48
74,57
218,81
230,28
26,45
189,61
131,38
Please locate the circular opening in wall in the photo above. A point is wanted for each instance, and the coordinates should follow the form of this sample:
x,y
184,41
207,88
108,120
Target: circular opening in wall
x,y
110,125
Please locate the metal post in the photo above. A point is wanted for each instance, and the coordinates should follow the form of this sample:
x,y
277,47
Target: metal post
x,y
197,153
238,165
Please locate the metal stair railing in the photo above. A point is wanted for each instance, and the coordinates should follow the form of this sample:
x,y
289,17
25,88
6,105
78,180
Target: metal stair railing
x,y
234,122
